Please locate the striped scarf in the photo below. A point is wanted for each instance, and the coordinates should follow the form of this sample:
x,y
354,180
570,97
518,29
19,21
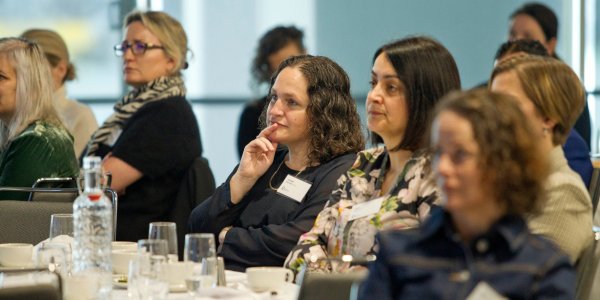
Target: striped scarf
x,y
158,89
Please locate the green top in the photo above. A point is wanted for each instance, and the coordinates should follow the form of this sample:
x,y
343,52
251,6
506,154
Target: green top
x,y
41,150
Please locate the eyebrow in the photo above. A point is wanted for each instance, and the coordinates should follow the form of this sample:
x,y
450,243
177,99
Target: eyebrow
x,y
292,95
386,76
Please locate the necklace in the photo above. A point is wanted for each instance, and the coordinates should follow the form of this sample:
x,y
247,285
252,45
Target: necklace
x,y
273,176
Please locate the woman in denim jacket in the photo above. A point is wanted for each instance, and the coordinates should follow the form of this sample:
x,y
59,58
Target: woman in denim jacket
x,y
487,159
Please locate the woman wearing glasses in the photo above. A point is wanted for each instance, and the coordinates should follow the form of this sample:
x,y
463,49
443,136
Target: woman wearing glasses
x,y
152,137
33,140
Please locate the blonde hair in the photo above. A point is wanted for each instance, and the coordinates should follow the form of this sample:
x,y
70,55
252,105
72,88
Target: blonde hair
x,y
169,32
552,86
54,48
34,90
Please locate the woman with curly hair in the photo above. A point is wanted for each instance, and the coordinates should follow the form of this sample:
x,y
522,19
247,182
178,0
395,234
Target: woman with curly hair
x,y
273,196
491,173
388,186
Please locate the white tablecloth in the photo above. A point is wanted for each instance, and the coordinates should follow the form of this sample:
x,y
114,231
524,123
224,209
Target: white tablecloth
x,y
237,288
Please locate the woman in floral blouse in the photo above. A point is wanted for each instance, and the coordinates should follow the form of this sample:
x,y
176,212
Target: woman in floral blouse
x,y
390,186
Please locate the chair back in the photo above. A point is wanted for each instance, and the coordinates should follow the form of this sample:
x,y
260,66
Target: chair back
x,y
28,222
67,193
594,188
329,286
197,185
30,284
587,269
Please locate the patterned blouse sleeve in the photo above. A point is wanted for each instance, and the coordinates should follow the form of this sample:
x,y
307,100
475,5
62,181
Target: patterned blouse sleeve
x,y
313,244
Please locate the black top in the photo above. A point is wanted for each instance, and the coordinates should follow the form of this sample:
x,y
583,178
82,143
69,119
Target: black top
x,y
249,123
267,225
160,140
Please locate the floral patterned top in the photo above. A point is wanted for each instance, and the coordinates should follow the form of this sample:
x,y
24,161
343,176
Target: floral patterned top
x,y
406,205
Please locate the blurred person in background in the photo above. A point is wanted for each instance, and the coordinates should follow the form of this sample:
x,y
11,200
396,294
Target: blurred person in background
x,y
77,117
576,150
536,21
551,97
274,47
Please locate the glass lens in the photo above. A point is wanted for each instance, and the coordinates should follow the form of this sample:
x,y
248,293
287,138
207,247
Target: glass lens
x,y
138,48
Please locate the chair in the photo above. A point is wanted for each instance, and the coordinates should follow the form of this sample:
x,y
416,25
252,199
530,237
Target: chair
x,y
329,286
197,185
587,268
68,186
594,188
28,222
47,201
30,284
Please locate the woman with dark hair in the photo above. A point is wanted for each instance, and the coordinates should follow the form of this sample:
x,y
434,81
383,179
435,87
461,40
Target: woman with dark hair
x,y
535,21
551,96
388,186
273,196
487,160
274,47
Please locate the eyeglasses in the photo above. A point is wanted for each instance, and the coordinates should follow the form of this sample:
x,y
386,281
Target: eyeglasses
x,y
137,48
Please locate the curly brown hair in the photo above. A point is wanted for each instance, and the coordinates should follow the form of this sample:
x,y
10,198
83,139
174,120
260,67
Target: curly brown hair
x,y
510,157
334,124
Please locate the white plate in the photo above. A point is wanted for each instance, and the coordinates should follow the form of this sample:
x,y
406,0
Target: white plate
x,y
174,288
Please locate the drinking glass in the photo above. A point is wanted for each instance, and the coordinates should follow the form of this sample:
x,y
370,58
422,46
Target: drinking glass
x,y
55,257
145,279
165,231
200,249
61,224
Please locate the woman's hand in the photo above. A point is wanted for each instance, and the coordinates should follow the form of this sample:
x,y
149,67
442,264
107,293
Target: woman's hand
x,y
257,158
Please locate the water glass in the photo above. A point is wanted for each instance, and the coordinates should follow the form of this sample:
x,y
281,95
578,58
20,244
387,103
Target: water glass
x,y
153,247
145,280
165,231
61,224
200,249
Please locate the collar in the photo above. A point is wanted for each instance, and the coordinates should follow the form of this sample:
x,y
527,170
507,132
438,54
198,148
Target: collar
x,y
556,158
510,230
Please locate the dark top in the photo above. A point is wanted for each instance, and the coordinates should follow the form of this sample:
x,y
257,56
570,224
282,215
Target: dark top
x,y
432,263
578,156
267,225
160,140
41,150
249,123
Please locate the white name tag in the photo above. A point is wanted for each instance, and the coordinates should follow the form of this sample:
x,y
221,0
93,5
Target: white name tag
x,y
484,291
364,209
294,188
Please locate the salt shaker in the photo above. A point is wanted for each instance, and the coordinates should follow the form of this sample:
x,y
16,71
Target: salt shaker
x,y
221,272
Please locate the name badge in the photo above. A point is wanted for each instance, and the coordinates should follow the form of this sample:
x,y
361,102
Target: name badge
x,y
485,291
294,188
366,208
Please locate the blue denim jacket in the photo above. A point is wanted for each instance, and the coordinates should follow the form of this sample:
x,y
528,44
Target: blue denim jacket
x,y
432,263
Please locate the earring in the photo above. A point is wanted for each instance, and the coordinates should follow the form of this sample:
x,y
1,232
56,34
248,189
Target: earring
x,y
545,131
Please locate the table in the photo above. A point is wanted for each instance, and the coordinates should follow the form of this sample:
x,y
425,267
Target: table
x,y
236,289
